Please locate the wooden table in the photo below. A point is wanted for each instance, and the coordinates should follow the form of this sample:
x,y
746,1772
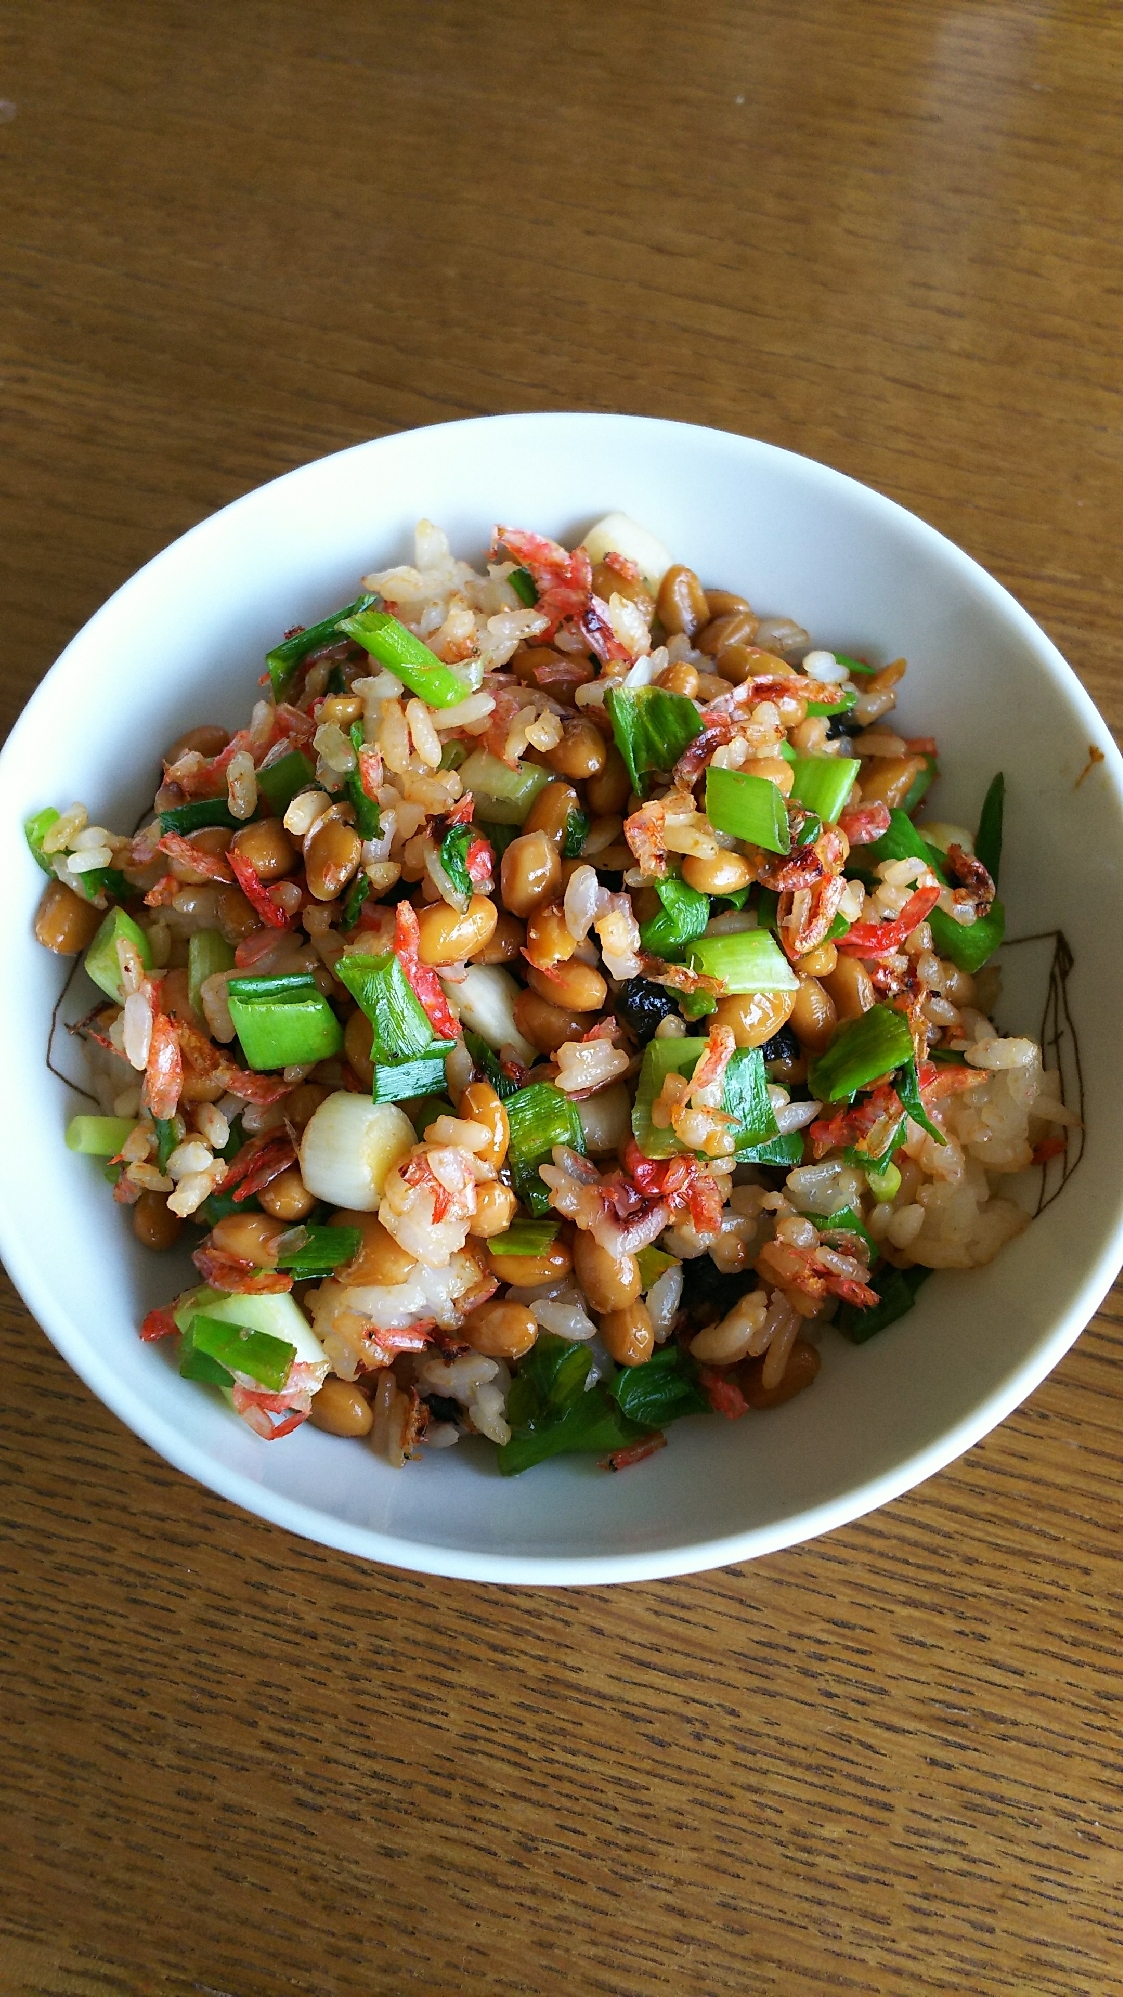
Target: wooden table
x,y
235,238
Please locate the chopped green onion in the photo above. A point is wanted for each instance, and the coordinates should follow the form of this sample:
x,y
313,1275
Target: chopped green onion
x,y
353,901
278,783
782,1150
682,918
745,1097
400,1081
284,1021
284,659
652,728
194,816
35,830
322,1250
842,705
749,807
849,1221
767,910
454,857
170,1132
98,1136
785,750
896,1289
823,784
921,783
884,1184
102,963
907,1086
853,665
672,1056
968,944
401,1026
734,897
505,795
424,1110
407,658
540,1117
453,754
488,1062
662,1389
368,818
207,954
988,839
594,1423
695,1005
196,1365
860,1052
524,1237
498,837
550,1381
838,928
105,880
256,1354
809,830
576,832
524,586
747,962
653,1263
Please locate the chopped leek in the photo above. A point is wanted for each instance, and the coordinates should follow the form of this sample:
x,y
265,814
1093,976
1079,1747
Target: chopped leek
x,y
368,818
662,1389
652,728
524,1237
594,1423
353,901
896,1289
749,807
207,954
921,784
255,1354
400,1024
682,918
695,1005
488,1063
908,1091
550,1381
823,783
747,962
903,841
968,944
988,839
283,1021
194,816
407,658
278,783
745,1098
540,1117
842,705
284,658
102,962
860,1052
853,665
98,1136
197,1365
653,1263
454,857
576,832
849,1221
170,1132
504,796
35,830
884,1182
660,1059
524,586
322,1250
400,1081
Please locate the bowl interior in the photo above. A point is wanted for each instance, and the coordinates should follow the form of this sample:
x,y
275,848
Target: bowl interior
x,y
183,642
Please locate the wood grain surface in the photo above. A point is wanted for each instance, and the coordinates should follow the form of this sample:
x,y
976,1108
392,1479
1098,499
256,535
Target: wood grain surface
x,y
236,237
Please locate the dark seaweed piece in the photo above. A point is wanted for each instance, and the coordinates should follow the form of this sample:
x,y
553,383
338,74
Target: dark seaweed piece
x,y
442,1408
783,1046
707,1295
641,1006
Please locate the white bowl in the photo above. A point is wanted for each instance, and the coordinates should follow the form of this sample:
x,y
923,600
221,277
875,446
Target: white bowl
x,y
183,642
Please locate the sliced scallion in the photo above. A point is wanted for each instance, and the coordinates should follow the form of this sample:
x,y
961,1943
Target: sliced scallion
x,y
207,954
368,818
652,728
523,584
988,839
102,963
278,783
283,1021
503,796
682,918
98,1136
284,658
823,783
841,705
322,1250
860,1052
257,1354
540,1117
395,648
424,1075
747,962
896,1290
193,817
524,1237
968,944
748,807
35,830
401,1027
